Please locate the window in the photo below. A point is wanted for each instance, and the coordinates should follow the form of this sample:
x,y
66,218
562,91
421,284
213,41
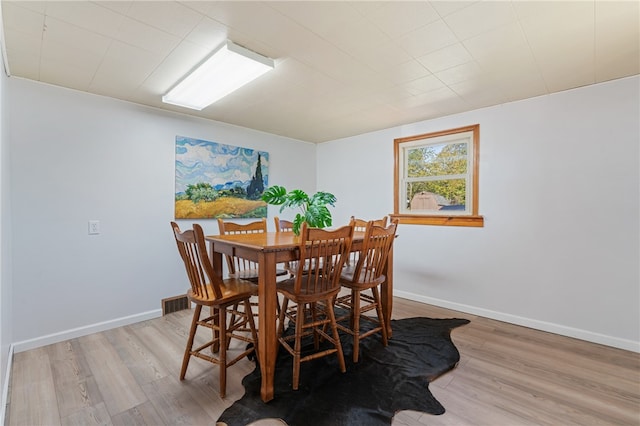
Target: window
x,y
436,178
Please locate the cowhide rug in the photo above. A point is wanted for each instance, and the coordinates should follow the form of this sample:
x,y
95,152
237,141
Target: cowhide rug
x,y
384,381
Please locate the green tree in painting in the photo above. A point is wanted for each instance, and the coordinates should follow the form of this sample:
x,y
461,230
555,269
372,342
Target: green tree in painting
x,y
446,162
201,191
256,187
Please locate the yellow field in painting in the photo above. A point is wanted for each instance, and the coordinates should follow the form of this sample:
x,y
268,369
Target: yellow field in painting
x,y
225,207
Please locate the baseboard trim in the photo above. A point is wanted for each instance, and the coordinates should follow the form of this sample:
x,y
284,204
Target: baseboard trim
x,y
5,386
83,331
577,333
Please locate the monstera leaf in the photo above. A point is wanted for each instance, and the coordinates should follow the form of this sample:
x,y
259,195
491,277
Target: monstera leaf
x,y
313,210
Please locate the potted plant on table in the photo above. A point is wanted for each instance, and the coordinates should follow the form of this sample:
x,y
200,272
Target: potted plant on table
x,y
314,209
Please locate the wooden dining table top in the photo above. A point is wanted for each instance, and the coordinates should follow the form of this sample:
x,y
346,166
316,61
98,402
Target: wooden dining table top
x,y
268,240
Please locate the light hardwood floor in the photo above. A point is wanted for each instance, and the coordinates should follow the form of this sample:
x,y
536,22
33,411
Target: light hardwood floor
x,y
507,375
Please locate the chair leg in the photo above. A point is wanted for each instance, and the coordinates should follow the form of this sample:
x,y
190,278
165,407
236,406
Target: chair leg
x,y
215,331
313,307
298,346
336,336
355,326
252,326
222,316
192,335
381,318
282,316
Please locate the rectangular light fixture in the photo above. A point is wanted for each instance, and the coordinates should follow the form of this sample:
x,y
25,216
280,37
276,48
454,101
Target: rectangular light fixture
x,y
229,67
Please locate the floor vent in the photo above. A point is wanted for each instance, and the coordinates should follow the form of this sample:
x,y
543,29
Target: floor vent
x,y
175,304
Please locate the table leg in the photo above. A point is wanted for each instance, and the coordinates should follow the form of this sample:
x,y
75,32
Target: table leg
x,y
386,292
267,338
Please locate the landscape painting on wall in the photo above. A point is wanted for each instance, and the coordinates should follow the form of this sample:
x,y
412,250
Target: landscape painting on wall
x,y
214,180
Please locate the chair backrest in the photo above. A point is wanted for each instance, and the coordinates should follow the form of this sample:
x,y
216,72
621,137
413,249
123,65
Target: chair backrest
x,y
361,224
236,264
322,254
193,251
376,246
283,225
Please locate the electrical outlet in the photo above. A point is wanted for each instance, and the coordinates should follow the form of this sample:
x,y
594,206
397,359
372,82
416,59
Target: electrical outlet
x,y
94,227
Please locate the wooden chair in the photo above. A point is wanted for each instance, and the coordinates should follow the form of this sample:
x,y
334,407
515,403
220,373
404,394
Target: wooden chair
x,y
313,291
223,298
283,225
239,267
243,268
366,275
360,225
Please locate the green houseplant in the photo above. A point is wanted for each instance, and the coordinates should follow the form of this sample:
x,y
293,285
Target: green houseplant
x,y
314,209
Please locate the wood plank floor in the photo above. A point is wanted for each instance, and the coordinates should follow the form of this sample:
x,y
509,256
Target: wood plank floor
x,y
507,375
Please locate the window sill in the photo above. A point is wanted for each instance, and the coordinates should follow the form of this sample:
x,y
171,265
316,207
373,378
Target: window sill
x,y
408,219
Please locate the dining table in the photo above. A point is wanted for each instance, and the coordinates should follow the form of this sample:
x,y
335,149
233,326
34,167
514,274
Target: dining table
x,y
269,249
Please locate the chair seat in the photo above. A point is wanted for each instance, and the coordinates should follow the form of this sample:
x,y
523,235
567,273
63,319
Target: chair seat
x,y
286,287
252,274
346,279
232,289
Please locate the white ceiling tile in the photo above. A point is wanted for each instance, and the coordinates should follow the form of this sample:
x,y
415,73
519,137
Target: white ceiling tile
x,y
526,84
424,84
119,6
399,18
447,57
21,19
321,18
381,57
65,74
427,39
617,43
175,67
552,11
87,15
466,71
447,7
146,37
124,68
358,37
497,44
405,72
23,63
24,43
208,33
478,93
480,17
174,18
81,41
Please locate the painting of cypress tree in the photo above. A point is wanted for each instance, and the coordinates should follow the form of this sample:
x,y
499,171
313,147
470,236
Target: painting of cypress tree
x,y
215,180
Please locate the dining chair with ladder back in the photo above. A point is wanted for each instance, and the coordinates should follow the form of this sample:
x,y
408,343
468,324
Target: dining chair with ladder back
x,y
311,294
367,274
283,225
239,267
360,225
223,297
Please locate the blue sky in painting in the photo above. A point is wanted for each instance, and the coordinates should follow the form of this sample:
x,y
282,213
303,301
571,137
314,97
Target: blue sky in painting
x,y
203,161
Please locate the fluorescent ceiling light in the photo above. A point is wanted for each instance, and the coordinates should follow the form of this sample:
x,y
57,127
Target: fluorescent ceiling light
x,y
230,67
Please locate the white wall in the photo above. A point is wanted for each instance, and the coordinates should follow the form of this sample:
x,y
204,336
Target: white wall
x,y
77,157
559,191
6,321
